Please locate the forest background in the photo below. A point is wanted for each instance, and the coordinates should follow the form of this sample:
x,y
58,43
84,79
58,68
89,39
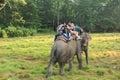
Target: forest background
x,y
41,15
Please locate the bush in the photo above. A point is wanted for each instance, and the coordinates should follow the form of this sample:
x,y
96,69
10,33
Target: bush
x,y
33,32
27,31
2,26
3,33
12,31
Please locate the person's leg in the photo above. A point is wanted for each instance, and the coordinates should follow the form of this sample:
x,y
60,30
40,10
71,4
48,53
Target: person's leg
x,y
68,36
56,36
65,35
78,36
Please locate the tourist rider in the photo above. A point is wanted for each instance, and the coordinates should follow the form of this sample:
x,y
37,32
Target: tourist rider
x,y
63,30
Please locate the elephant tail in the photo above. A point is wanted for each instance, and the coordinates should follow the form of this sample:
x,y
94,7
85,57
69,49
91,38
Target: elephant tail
x,y
53,52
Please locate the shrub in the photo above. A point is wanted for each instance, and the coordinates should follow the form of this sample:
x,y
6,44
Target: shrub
x,y
19,33
3,33
13,31
0,33
27,31
33,31
2,26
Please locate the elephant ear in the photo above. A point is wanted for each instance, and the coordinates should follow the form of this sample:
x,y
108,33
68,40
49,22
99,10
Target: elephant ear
x,y
89,37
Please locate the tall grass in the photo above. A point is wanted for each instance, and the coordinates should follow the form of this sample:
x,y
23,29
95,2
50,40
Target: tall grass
x,y
25,59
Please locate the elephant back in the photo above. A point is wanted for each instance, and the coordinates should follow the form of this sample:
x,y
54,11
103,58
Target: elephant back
x,y
65,51
62,38
60,47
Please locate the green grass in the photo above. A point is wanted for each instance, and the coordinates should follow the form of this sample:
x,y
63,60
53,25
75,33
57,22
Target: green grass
x,y
26,58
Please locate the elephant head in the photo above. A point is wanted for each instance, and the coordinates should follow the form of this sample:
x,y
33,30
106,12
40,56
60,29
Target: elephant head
x,y
85,39
84,43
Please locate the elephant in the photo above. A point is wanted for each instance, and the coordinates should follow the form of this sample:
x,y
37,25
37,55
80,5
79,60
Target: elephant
x,y
63,53
84,44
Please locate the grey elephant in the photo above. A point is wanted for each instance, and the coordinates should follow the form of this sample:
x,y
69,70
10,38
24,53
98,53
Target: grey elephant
x,y
63,53
84,44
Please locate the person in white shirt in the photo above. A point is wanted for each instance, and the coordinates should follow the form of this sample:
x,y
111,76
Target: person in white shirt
x,y
59,30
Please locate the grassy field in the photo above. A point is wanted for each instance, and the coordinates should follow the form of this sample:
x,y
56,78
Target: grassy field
x,y
25,59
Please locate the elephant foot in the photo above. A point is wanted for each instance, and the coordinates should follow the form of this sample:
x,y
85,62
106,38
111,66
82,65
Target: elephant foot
x,y
62,74
80,67
48,75
69,69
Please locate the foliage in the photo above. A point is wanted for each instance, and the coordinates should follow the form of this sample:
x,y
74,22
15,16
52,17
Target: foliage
x,y
92,15
3,33
12,31
2,1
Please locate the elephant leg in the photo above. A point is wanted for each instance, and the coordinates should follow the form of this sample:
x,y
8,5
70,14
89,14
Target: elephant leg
x,y
86,54
79,52
79,58
70,65
61,69
50,66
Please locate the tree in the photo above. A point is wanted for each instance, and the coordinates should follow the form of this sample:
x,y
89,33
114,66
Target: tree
x,y
92,15
3,4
